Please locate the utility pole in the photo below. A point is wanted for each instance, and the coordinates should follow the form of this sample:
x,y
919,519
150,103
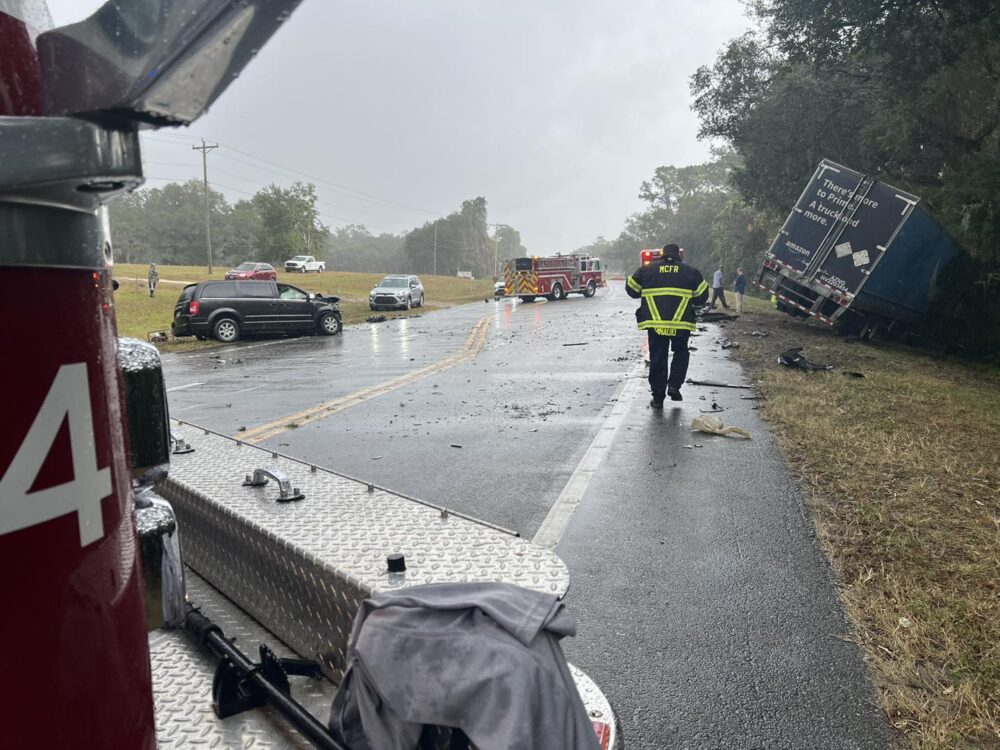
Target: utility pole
x,y
435,248
204,169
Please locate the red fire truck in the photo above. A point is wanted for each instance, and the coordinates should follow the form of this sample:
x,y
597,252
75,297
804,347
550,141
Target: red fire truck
x,y
652,255
554,277
649,256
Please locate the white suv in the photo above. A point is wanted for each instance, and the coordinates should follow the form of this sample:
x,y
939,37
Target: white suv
x,y
304,263
395,292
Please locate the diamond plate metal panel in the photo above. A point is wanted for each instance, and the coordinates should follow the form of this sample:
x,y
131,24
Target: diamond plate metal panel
x,y
303,568
182,685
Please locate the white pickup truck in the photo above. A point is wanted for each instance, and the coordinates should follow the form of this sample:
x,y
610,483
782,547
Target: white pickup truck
x,y
304,263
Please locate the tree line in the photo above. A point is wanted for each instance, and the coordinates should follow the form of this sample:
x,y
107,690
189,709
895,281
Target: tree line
x,y
906,92
167,225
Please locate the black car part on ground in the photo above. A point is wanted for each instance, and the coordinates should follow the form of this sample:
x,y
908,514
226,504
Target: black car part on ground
x,y
241,685
794,359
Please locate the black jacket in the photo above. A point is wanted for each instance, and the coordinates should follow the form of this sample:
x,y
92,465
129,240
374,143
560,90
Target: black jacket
x,y
670,291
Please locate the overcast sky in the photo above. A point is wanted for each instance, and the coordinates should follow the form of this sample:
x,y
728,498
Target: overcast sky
x,y
554,110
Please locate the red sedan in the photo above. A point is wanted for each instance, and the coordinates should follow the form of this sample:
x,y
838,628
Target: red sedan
x,y
257,271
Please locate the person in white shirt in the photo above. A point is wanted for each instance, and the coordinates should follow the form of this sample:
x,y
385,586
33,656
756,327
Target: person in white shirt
x,y
718,292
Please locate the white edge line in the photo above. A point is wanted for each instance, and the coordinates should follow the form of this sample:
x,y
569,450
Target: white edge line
x,y
182,387
555,523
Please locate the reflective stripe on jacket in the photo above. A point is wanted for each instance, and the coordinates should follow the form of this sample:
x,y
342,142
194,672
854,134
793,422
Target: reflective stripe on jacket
x,y
670,292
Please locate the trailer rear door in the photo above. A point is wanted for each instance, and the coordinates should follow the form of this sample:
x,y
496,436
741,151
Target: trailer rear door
x,y
869,224
815,217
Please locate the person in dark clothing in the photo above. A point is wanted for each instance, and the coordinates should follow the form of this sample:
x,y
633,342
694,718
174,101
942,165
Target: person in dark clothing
x,y
670,291
739,288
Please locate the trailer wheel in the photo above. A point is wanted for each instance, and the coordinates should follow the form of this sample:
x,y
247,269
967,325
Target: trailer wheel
x,y
591,289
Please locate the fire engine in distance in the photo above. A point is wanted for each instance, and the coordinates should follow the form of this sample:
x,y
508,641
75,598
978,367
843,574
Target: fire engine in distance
x,y
553,277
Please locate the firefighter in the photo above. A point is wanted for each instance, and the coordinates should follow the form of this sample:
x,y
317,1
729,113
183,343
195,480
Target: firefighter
x,y
670,291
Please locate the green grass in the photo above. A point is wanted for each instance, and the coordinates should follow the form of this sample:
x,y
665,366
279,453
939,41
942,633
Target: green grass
x,y
138,314
902,468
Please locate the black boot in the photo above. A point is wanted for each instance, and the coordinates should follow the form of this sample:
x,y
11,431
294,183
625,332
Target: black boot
x,y
674,393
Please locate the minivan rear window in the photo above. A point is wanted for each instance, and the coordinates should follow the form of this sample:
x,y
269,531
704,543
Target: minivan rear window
x,y
219,290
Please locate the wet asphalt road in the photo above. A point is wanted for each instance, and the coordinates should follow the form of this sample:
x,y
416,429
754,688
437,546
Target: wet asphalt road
x,y
707,611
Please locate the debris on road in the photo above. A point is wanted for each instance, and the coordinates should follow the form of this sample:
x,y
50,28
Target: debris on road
x,y
711,317
717,384
715,426
577,343
455,445
751,398
727,344
762,334
715,408
375,319
794,359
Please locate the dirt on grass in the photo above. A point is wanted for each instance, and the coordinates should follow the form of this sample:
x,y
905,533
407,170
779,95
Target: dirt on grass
x,y
902,468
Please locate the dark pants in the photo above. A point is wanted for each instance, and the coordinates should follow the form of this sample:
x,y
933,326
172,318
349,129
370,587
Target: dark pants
x,y
659,347
718,293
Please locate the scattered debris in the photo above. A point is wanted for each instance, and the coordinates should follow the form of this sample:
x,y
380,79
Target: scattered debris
x,y
577,343
455,445
715,408
709,317
852,374
376,458
242,429
715,426
727,344
689,447
752,398
375,319
717,384
762,334
794,359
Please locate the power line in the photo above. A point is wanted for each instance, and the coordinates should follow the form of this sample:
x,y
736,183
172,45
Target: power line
x,y
318,180
343,189
356,193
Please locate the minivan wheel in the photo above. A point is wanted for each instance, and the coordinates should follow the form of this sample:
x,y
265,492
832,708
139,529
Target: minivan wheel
x,y
329,324
226,330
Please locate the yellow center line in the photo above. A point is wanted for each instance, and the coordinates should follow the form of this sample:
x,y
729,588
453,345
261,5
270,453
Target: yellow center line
x,y
473,345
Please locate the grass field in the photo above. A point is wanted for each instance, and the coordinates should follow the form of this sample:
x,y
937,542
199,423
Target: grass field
x,y
138,314
902,467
